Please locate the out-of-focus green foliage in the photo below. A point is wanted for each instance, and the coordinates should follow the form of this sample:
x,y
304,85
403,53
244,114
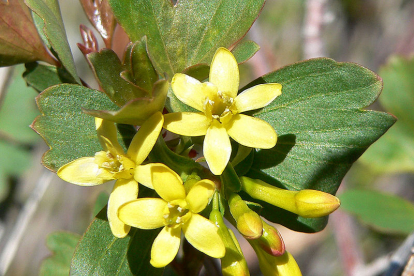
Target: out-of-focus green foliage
x,y
16,113
385,212
395,151
62,245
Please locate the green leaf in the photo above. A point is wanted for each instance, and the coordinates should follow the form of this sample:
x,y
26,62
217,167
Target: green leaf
x,y
321,129
384,212
245,50
100,253
107,68
62,244
41,76
20,40
48,11
68,131
395,151
188,33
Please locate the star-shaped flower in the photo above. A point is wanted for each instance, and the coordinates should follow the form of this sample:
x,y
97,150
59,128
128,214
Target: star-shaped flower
x,y
114,164
220,111
176,210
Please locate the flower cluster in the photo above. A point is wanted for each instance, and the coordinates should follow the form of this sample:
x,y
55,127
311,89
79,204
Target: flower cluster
x,y
198,206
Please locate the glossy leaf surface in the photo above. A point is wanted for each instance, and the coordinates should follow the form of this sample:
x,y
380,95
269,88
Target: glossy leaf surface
x,y
321,129
187,33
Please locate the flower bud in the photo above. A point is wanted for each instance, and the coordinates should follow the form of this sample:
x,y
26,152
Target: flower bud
x,y
271,241
305,203
284,265
249,222
233,263
312,203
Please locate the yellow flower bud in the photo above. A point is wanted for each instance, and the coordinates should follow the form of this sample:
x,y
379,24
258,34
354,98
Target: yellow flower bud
x,y
271,241
305,203
312,203
233,263
284,265
249,222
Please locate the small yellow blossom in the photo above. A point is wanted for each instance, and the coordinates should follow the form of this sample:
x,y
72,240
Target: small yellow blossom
x,y
176,210
220,111
114,164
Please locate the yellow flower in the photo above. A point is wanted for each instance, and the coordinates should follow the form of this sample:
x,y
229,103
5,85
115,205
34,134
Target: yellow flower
x,y
114,164
176,210
220,109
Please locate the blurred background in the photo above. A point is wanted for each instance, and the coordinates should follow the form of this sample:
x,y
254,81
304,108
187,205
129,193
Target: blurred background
x,y
35,202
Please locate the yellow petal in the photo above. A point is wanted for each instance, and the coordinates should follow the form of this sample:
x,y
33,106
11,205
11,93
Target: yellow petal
x,y
124,190
167,183
145,138
217,148
165,246
143,213
203,235
251,132
107,135
191,91
200,194
187,123
257,97
224,72
84,172
143,175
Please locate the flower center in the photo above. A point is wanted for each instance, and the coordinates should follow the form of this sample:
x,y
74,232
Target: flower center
x,y
176,213
219,107
119,165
